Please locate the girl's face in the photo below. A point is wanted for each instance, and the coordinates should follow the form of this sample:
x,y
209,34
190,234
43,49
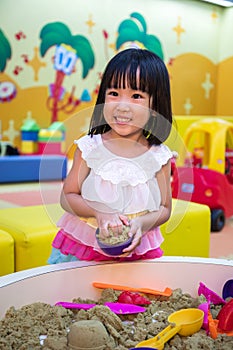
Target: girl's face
x,y
126,110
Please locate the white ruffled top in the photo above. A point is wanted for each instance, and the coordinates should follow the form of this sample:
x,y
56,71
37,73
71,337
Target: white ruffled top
x,y
126,185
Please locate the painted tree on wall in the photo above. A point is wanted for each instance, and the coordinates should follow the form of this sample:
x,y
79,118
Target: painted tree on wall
x,y
69,49
135,30
5,51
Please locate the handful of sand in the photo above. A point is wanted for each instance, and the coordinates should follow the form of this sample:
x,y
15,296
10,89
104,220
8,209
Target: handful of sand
x,y
114,239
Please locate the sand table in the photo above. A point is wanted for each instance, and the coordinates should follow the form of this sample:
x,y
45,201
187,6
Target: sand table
x,y
42,326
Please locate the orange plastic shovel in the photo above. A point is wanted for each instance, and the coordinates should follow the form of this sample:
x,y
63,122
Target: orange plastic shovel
x,y
167,291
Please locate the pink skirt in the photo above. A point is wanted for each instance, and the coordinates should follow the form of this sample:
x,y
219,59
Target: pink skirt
x,y
67,245
77,238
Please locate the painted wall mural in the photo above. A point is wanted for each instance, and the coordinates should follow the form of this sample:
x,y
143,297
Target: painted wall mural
x,y
69,49
51,64
7,88
133,31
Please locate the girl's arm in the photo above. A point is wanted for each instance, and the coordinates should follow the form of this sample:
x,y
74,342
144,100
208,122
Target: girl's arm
x,y
143,223
71,199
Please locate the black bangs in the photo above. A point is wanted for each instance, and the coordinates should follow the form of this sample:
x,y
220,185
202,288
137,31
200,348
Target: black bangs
x,y
128,76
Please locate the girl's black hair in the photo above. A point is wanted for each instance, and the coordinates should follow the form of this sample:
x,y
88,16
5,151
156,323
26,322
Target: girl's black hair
x,y
123,69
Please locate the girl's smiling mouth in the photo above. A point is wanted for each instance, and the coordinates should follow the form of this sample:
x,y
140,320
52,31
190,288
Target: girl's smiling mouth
x,y
122,120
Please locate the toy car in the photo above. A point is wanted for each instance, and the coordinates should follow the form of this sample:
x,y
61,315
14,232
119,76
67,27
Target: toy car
x,y
204,170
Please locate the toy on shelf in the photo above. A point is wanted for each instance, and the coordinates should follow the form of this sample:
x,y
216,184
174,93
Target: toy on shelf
x,y
29,136
35,140
204,172
52,140
34,162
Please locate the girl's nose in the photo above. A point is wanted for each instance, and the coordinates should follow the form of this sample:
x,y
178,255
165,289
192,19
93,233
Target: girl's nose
x,y
123,106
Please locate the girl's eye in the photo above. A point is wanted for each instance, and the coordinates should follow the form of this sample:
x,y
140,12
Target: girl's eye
x,y
112,93
137,96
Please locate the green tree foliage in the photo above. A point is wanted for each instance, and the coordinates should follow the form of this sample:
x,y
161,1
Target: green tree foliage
x,y
58,33
135,29
5,51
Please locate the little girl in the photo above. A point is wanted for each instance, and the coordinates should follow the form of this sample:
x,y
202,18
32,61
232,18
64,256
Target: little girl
x,y
121,169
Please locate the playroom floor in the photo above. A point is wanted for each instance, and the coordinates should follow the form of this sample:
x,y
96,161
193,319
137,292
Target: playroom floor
x,y
26,194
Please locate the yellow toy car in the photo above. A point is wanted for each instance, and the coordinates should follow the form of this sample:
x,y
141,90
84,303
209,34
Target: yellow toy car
x,y
204,171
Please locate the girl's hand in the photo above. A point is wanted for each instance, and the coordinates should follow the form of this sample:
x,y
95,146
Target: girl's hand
x,y
114,221
136,232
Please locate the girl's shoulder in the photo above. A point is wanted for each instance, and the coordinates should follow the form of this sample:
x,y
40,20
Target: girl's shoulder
x,y
162,153
87,144
160,149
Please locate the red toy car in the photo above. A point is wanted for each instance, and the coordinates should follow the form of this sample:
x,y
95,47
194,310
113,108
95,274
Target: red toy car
x,y
204,170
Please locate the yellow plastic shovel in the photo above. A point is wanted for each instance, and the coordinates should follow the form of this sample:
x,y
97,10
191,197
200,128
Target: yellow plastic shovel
x,y
185,322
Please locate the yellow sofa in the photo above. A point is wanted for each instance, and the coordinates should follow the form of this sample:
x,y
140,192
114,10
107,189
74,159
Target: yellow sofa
x,y
32,229
187,232
7,264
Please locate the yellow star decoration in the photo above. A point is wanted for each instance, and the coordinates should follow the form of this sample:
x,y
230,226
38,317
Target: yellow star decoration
x,y
179,30
207,85
11,132
188,106
214,15
90,24
112,46
36,63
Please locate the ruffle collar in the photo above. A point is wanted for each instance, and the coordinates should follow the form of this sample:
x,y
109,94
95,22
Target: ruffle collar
x,y
134,171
